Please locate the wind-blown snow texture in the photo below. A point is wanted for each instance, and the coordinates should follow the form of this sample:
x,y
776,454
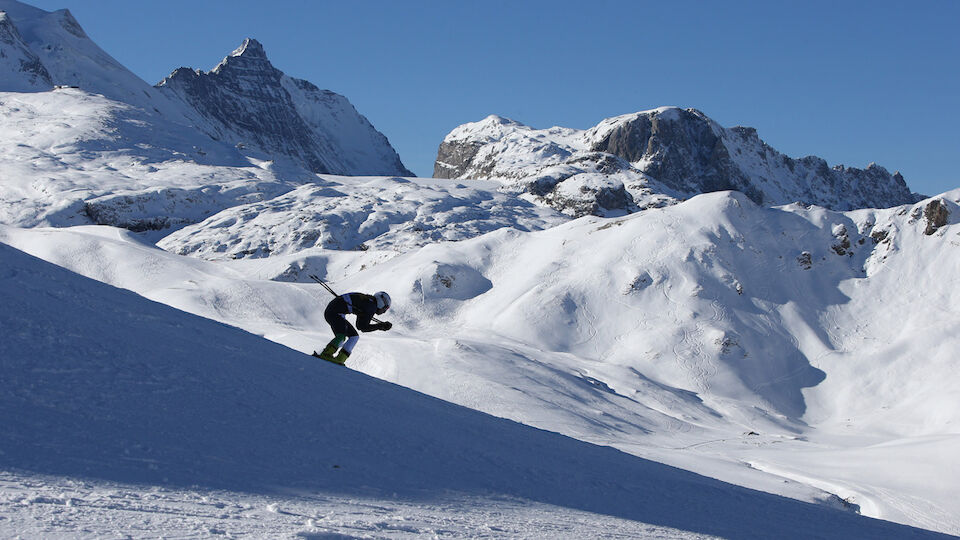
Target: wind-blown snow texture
x,y
104,385
650,158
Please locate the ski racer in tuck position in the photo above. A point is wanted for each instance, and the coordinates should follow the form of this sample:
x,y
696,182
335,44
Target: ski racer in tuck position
x,y
364,306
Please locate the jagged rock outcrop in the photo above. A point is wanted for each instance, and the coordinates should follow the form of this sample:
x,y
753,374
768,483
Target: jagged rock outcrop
x,y
936,215
650,158
246,101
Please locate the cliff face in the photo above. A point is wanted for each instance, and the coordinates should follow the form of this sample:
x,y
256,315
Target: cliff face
x,y
247,102
646,159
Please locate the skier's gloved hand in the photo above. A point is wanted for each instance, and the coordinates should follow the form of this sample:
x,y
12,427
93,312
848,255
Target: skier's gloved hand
x,y
384,326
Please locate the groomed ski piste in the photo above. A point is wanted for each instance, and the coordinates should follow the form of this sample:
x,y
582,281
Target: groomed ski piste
x,y
727,339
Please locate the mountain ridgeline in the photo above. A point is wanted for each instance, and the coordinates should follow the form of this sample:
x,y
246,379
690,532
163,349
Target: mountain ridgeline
x,y
247,111
651,158
247,100
243,103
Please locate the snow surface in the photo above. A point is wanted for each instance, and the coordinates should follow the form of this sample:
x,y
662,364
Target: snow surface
x,y
695,335
358,213
73,158
127,417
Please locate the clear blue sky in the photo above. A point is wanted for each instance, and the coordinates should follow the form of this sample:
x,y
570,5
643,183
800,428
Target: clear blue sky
x,y
851,81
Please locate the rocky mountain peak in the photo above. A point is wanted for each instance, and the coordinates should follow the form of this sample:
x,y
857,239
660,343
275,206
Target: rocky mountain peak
x,y
250,48
249,103
649,158
70,24
249,60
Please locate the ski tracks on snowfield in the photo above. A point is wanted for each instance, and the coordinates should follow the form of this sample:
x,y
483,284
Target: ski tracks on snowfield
x,y
39,507
689,351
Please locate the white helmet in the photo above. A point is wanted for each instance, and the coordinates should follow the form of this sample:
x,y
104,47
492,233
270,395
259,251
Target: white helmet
x,y
383,301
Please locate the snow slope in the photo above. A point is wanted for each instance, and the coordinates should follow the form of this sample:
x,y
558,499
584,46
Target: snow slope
x,y
358,213
795,350
741,342
115,391
72,158
57,42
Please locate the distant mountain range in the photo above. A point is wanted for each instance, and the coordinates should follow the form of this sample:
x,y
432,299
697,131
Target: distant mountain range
x,y
652,158
246,111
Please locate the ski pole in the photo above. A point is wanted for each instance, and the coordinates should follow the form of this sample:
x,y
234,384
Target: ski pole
x,y
331,291
324,283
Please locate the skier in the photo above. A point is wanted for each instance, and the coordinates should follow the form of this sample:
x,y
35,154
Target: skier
x,y
364,306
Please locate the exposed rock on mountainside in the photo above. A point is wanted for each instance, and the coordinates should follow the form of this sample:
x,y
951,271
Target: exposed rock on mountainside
x,y
637,160
248,102
21,70
936,214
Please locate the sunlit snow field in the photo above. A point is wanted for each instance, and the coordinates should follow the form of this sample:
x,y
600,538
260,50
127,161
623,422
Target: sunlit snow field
x,y
691,335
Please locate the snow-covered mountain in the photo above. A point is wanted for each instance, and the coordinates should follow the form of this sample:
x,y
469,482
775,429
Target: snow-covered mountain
x,y
361,213
21,70
244,104
652,158
85,141
72,158
126,417
248,102
45,49
776,348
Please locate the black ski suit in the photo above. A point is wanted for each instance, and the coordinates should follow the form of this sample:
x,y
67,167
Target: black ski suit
x,y
362,305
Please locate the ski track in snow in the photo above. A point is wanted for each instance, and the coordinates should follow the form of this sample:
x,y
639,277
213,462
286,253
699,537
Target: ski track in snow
x,y
36,506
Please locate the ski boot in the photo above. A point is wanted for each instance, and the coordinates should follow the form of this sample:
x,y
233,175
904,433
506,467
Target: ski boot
x,y
327,353
341,358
